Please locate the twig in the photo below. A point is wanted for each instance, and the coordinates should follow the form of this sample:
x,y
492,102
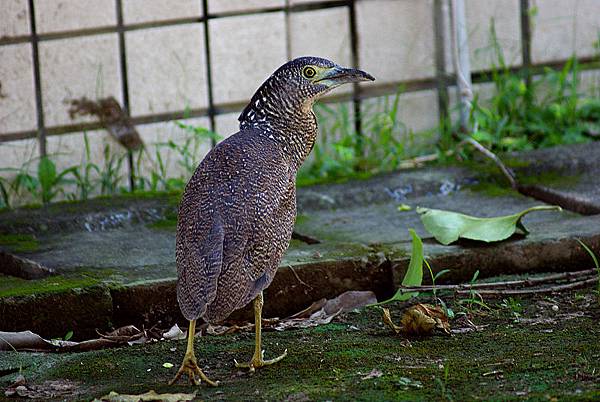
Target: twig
x,y
304,238
510,176
298,278
550,289
495,285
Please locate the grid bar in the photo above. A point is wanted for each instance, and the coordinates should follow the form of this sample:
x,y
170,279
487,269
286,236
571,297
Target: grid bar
x,y
176,21
209,81
41,131
372,91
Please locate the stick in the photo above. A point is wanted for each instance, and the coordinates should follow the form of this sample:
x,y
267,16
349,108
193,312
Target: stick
x,y
550,289
525,282
510,176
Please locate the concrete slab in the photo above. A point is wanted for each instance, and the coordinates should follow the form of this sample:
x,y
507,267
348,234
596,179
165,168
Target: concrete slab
x,y
124,246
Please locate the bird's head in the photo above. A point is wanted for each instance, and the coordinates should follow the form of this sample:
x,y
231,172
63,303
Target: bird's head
x,y
298,84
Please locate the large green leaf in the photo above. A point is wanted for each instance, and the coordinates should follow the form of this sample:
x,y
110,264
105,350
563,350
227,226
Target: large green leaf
x,y
448,226
414,274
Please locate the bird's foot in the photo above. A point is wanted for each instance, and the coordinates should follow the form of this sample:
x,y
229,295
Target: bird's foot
x,y
190,367
258,361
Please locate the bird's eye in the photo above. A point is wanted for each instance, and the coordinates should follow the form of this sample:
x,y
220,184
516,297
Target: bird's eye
x,y
309,72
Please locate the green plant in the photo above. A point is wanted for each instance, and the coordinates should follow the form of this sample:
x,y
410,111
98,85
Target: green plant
x,y
84,175
595,259
110,176
474,300
526,113
342,152
414,273
443,383
513,305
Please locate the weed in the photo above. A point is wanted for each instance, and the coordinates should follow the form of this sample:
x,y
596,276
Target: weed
x,y
442,384
527,114
513,305
597,265
474,300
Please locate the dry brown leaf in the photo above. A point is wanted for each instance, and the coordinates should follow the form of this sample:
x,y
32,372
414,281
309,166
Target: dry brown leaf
x,y
421,319
148,396
54,389
320,312
387,320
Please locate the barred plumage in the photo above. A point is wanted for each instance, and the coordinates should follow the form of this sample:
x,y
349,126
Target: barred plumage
x,y
238,209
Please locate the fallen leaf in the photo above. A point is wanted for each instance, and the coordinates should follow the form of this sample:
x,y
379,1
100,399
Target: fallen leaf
x,y
404,207
448,226
406,382
55,389
375,373
421,319
387,320
348,301
148,396
168,365
24,340
174,333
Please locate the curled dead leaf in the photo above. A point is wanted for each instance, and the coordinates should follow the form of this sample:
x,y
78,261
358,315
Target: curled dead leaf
x,y
420,319
174,333
387,320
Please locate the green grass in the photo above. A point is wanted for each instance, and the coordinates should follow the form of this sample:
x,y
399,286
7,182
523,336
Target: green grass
x,y
19,243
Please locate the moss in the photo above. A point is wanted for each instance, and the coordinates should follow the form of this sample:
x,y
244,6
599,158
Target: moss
x,y
550,179
19,243
163,224
492,189
12,286
330,362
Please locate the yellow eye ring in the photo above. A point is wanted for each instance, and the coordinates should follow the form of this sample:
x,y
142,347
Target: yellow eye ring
x,y
309,72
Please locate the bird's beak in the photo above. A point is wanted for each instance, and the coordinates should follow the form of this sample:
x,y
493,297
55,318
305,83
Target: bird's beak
x,y
340,75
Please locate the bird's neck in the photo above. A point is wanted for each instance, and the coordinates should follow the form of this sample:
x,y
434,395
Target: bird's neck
x,y
293,126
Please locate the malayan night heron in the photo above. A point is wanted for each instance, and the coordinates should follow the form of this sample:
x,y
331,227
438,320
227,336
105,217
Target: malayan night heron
x,y
238,209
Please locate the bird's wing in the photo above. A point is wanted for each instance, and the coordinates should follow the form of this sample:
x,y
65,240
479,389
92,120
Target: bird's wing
x,y
198,265
238,180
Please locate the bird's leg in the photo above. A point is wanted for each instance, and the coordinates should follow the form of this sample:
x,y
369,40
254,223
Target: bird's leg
x,y
190,365
257,359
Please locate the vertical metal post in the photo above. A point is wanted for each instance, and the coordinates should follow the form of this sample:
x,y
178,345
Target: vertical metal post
x,y
124,84
440,60
461,62
355,87
37,80
288,31
526,45
209,86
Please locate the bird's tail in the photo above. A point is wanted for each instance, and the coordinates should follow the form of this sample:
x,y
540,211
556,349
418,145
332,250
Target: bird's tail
x,y
198,271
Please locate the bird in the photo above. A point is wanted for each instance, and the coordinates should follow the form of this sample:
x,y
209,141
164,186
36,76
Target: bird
x,y
238,209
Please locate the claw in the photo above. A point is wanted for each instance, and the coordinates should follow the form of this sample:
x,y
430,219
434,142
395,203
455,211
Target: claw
x,y
258,362
190,367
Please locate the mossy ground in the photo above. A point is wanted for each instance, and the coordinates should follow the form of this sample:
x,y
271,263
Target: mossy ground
x,y
13,286
19,243
557,357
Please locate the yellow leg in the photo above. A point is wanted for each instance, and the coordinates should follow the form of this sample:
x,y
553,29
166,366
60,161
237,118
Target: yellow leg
x,y
257,359
190,365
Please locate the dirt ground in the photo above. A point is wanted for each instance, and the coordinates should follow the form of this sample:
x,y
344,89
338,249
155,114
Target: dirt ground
x,y
537,348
